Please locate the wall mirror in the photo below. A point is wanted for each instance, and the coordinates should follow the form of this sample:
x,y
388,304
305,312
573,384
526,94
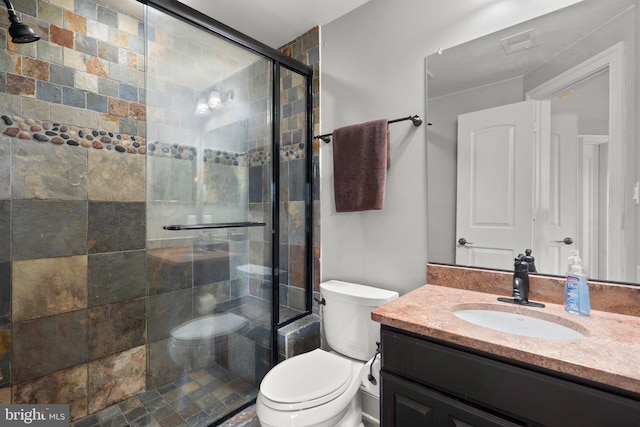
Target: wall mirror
x,y
534,144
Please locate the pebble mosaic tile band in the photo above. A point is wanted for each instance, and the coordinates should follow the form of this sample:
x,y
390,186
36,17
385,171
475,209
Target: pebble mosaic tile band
x,y
59,134
176,151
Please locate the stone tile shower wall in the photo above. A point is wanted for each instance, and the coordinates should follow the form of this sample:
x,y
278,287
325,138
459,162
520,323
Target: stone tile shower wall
x,y
89,64
293,170
72,207
305,49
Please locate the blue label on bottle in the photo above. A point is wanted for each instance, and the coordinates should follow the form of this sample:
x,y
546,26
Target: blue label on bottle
x,y
571,295
576,294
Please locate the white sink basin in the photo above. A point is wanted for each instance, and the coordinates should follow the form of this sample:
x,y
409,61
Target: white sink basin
x,y
520,324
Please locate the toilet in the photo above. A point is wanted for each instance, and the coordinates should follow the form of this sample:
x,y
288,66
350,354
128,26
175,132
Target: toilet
x,y
194,344
327,389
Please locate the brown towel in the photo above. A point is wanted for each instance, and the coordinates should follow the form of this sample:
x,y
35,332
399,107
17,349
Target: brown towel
x,y
360,162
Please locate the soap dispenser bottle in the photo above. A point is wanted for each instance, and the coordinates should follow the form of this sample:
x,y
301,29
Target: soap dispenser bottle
x,y
576,289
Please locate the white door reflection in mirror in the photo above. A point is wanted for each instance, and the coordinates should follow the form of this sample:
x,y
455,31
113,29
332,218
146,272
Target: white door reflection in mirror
x,y
557,224
496,151
527,178
593,202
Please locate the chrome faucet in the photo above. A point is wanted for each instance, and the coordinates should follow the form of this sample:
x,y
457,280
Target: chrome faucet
x,y
520,293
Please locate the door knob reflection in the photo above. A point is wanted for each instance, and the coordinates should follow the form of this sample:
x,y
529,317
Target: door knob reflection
x,y
566,241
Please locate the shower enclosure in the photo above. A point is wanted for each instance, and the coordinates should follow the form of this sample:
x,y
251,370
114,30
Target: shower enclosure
x,y
228,201
155,182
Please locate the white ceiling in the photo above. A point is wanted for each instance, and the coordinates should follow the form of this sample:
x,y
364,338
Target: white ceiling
x,y
556,31
274,22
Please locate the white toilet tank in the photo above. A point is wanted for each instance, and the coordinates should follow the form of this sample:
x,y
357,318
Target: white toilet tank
x,y
346,317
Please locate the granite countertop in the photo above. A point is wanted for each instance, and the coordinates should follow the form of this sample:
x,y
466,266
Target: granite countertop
x,y
608,354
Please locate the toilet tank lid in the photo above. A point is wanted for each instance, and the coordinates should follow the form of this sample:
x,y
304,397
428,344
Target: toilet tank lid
x,y
356,293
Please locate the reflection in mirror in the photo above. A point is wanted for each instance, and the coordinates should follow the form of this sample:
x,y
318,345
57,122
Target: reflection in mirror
x,y
533,144
171,179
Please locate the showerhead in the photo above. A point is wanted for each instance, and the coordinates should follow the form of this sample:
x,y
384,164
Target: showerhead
x,y
19,32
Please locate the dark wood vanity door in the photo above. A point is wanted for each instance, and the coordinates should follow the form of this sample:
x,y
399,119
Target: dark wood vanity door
x,y
422,379
410,405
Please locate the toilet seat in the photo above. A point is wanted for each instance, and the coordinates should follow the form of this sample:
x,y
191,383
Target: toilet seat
x,y
306,381
207,327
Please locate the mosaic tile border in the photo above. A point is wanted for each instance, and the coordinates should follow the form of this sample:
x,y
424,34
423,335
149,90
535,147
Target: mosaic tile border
x,y
225,157
292,152
176,151
258,156
261,156
60,134
188,152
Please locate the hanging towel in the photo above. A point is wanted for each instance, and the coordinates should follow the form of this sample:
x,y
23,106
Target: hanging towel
x,y
360,162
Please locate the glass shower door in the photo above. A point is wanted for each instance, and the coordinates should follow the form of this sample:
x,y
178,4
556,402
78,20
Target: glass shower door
x,y
209,219
295,193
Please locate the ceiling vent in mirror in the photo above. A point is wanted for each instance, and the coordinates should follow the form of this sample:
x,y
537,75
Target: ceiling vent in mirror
x,y
519,42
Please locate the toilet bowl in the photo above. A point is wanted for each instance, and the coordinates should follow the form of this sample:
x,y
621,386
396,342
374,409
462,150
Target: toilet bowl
x,y
193,343
322,388
327,398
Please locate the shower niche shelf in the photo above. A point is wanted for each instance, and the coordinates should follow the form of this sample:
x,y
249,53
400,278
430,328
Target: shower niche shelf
x,y
179,227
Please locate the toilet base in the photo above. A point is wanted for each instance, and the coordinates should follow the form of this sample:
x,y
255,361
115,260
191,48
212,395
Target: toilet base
x,y
199,354
350,417
353,417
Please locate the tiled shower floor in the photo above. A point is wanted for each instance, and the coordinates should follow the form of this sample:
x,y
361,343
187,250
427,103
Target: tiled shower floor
x,y
197,399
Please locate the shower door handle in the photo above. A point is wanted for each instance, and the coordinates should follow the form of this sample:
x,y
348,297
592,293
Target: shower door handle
x,y
179,227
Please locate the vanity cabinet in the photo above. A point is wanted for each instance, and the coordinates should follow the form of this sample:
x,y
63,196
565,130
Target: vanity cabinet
x,y
412,404
430,383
